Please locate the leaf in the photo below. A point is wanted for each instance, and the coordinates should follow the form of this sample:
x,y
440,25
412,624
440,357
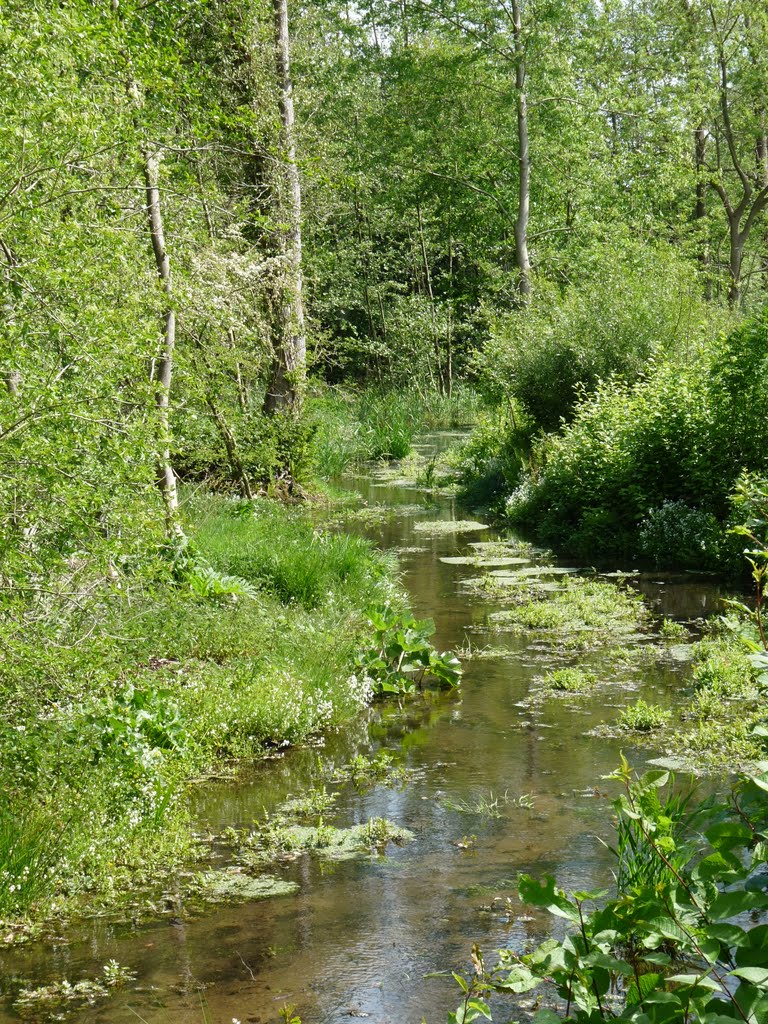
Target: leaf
x,y
695,981
545,894
546,1017
754,975
648,983
729,904
478,1009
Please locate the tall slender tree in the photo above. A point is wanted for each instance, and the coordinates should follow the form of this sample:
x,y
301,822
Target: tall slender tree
x,y
285,387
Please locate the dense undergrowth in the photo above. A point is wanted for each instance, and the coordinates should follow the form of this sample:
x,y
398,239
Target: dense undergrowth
x,y
116,695
642,470
349,428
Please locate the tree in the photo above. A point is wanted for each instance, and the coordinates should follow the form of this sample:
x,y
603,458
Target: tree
x,y
284,390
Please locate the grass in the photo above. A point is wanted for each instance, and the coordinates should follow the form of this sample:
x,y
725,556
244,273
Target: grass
x,y
351,428
113,703
719,720
279,550
570,680
643,717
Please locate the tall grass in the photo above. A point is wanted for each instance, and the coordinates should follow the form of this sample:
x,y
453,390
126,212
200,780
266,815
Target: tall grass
x,y
354,428
31,843
280,550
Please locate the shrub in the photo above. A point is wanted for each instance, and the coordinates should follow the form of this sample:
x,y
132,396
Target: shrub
x,y
679,437
630,306
491,460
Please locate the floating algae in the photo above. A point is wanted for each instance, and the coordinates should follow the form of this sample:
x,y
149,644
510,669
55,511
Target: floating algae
x,y
447,526
231,885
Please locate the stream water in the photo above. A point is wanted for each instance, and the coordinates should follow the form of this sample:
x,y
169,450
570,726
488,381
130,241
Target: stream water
x,y
359,936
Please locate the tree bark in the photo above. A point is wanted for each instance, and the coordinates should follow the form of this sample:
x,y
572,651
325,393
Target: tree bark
x,y
290,347
700,209
163,367
524,161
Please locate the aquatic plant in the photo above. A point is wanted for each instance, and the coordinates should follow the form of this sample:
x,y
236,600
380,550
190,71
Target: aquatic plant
x,y
570,680
681,940
401,657
643,717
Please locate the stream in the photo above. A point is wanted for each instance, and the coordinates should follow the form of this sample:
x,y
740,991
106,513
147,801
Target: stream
x,y
359,936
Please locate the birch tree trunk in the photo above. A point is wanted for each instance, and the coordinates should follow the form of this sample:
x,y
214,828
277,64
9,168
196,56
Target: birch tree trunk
x,y
290,345
163,367
524,160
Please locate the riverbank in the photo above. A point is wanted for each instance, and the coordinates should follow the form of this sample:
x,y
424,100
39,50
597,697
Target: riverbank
x,y
122,693
504,775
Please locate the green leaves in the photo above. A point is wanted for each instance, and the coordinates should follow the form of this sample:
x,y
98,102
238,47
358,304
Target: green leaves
x,y
663,945
401,657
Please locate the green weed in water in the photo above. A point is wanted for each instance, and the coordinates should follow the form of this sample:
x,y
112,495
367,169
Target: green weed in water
x,y
643,717
570,680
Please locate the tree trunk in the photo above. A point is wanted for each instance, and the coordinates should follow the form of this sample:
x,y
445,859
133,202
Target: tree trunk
x,y
700,209
163,367
290,356
734,264
524,161
762,162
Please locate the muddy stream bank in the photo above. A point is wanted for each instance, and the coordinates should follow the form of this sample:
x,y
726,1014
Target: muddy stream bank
x,y
497,785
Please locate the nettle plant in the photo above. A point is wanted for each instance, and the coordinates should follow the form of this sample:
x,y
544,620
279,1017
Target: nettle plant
x,y
401,658
684,938
751,500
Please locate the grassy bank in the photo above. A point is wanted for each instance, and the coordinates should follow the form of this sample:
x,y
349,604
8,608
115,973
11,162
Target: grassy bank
x,y
117,693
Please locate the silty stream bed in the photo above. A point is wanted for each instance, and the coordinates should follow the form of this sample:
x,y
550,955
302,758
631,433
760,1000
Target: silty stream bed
x,y
358,936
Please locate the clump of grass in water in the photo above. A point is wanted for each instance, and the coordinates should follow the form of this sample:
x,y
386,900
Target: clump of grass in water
x,y
368,771
581,613
353,428
643,717
488,806
672,631
439,527
570,680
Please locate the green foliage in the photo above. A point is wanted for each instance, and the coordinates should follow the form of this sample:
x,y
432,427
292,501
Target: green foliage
x,y
491,460
98,740
632,304
570,680
281,551
656,461
375,424
643,717
401,657
674,944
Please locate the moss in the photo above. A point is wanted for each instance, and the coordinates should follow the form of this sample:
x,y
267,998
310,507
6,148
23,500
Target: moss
x,y
581,614
445,527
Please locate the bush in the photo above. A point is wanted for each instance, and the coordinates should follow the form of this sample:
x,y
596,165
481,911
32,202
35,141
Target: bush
x,y
490,461
629,307
650,468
